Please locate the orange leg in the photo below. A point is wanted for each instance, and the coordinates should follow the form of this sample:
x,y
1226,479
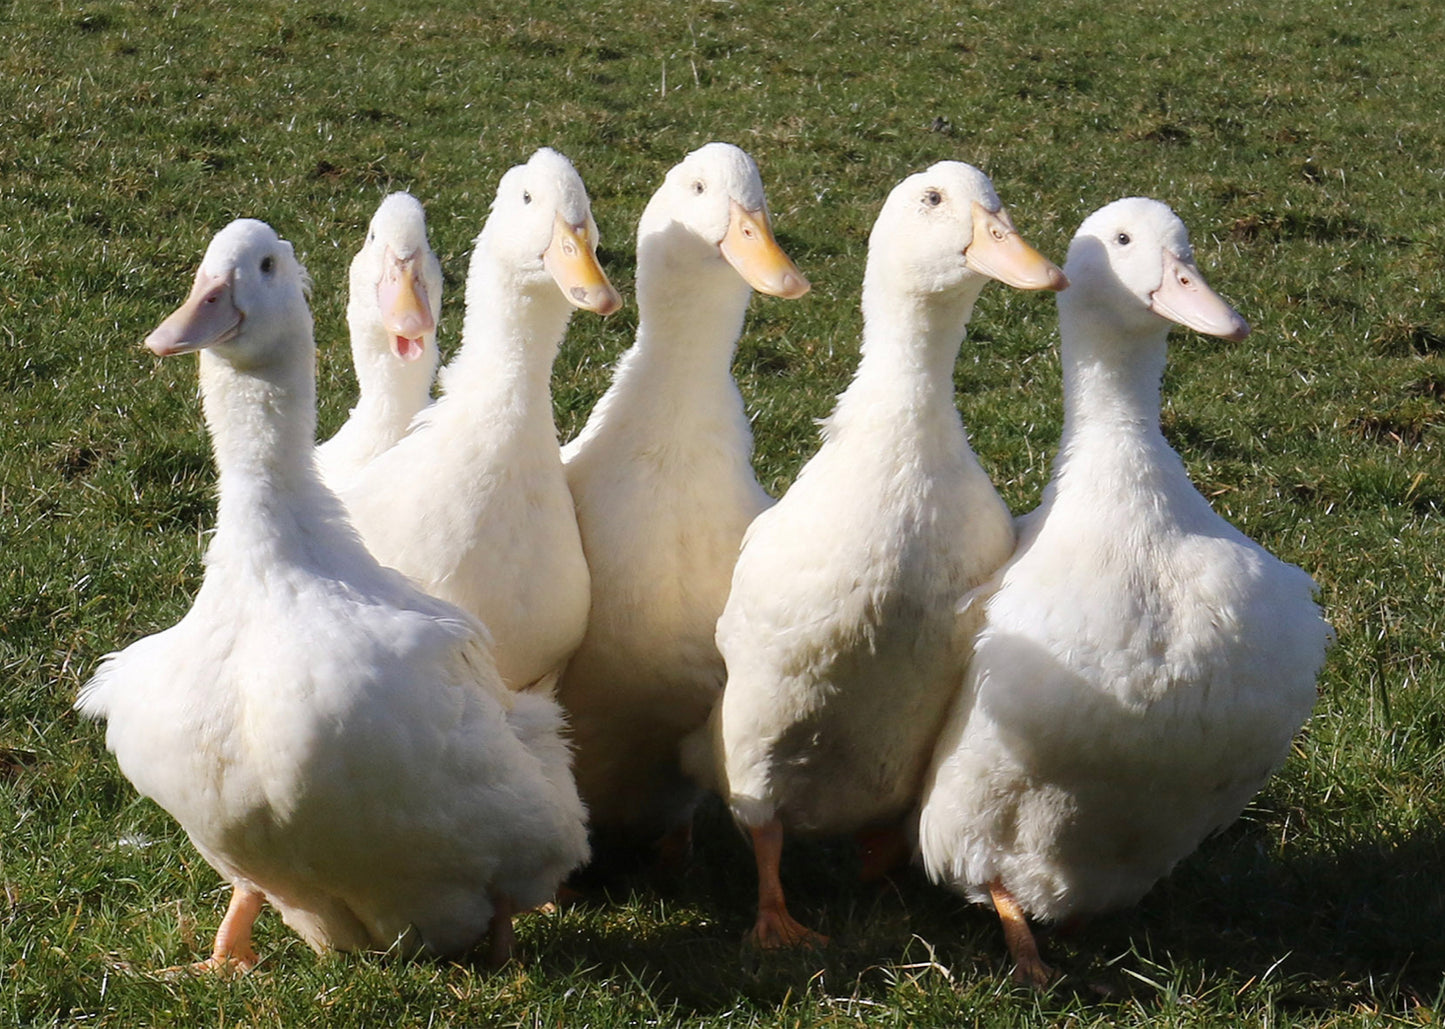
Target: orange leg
x,y
501,942
232,953
233,939
775,927
1029,968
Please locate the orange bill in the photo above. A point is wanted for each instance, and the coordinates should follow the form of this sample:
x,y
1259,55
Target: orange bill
x,y
998,251
570,260
750,248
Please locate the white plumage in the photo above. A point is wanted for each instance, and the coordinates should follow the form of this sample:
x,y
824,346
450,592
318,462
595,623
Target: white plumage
x,y
392,310
333,740
841,646
1143,665
472,503
664,486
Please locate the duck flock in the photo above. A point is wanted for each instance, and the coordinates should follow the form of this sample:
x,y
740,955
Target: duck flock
x,y
437,661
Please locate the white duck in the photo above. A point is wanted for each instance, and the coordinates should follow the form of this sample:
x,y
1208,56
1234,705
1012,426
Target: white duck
x,y
472,502
664,486
333,740
839,635
1143,665
392,311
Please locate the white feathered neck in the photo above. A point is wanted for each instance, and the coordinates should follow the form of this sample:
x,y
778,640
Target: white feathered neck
x,y
1113,350
918,292
691,306
258,393
513,327
909,346
1111,382
272,509
515,321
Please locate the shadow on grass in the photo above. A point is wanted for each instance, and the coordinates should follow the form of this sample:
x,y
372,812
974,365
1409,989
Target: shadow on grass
x,y
1361,924
1323,931
681,934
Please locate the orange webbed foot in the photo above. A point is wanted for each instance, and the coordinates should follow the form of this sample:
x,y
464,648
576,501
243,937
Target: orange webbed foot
x,y
776,930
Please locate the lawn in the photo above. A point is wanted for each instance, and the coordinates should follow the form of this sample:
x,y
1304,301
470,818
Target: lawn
x,y
1301,141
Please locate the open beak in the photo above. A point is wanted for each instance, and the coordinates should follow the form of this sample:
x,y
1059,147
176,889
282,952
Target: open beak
x,y
998,251
208,317
405,307
570,261
1185,298
750,248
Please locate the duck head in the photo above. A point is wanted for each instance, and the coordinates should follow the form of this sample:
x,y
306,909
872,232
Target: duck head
x,y
1132,259
715,195
541,223
248,302
396,279
945,228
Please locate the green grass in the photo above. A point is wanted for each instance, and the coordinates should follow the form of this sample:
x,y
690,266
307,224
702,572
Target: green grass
x,y
1301,142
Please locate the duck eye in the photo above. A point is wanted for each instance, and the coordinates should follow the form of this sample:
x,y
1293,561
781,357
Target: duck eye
x,y
268,264
699,188
526,197
1122,239
933,198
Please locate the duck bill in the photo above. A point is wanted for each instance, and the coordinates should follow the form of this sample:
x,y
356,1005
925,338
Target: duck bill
x,y
405,307
1186,299
998,251
208,317
572,264
751,249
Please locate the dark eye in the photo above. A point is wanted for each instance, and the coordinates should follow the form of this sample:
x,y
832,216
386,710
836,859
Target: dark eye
x,y
933,198
699,188
268,264
1122,239
526,197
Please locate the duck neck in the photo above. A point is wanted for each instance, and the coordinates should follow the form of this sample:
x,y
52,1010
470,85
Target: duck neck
x,y
510,336
910,344
390,391
690,315
1111,382
262,422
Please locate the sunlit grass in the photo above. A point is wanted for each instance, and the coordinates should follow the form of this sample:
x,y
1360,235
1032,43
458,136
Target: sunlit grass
x,y
1301,142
